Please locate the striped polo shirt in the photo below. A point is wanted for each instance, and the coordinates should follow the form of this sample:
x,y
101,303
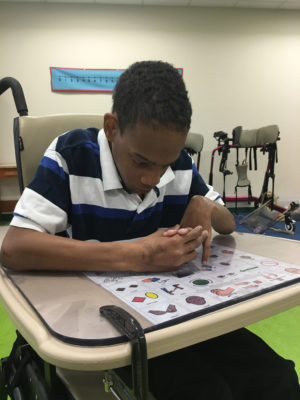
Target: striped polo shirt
x,y
77,192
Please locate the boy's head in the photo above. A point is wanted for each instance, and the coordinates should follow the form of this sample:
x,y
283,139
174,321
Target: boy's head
x,y
152,92
148,125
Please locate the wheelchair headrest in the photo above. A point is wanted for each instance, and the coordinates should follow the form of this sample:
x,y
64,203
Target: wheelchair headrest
x,y
194,142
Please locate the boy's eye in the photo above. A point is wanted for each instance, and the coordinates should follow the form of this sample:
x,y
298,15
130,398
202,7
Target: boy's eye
x,y
146,164
140,163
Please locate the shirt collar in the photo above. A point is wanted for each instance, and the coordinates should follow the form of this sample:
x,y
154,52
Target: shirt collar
x,y
167,177
110,176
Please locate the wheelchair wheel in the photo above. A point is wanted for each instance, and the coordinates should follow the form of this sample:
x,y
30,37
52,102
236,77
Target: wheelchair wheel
x,y
290,226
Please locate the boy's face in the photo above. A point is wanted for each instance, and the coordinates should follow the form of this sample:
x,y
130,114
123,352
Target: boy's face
x,y
143,153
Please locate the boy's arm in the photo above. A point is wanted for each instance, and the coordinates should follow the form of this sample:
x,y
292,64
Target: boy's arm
x,y
27,249
208,214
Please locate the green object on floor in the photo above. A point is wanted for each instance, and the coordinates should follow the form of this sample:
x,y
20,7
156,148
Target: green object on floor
x,y
282,333
7,334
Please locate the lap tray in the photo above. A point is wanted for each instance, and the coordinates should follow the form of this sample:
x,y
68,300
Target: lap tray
x,y
58,312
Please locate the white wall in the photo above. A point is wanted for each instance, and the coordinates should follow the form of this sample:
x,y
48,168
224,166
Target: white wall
x,y
241,67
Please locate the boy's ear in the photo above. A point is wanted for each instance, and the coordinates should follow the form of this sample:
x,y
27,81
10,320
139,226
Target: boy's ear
x,y
111,126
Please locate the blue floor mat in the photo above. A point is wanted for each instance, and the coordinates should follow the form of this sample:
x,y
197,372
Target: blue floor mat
x,y
279,225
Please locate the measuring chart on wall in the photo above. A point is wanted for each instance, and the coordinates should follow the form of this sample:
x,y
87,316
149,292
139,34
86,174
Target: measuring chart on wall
x,y
86,79
229,277
81,79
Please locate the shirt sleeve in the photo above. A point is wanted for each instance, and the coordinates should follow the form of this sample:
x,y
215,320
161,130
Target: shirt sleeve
x,y
44,204
200,187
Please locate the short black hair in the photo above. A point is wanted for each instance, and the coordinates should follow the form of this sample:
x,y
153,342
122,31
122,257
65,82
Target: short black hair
x,y
152,92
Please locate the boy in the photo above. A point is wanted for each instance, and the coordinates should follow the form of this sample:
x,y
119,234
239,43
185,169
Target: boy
x,y
128,180
118,184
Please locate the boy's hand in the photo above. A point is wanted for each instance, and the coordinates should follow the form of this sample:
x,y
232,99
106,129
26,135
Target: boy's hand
x,y
168,250
176,230
199,212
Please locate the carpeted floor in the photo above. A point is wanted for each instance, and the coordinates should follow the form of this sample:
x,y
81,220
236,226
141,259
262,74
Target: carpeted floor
x,y
270,232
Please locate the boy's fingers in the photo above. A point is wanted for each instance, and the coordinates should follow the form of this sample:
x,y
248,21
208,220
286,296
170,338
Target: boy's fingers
x,y
182,231
196,240
175,227
171,231
177,230
195,233
205,250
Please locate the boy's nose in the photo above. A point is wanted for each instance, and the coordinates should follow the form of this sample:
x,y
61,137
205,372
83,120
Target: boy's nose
x,y
150,178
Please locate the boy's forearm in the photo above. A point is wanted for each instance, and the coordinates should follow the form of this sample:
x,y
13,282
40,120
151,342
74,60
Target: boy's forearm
x,y
222,220
25,249
205,212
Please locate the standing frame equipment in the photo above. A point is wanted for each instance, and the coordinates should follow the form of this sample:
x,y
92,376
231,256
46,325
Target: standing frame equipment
x,y
264,138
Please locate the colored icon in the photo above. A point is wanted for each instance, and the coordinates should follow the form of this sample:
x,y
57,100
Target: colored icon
x,y
197,300
200,282
138,299
151,295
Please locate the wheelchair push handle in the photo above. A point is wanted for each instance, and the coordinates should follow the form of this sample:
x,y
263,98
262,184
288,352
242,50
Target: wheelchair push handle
x,y
18,94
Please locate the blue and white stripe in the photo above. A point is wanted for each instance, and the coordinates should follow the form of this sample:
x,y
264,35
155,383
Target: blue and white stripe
x,y
77,189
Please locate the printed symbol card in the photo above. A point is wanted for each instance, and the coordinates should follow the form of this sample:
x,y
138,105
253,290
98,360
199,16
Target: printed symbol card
x,y
195,289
